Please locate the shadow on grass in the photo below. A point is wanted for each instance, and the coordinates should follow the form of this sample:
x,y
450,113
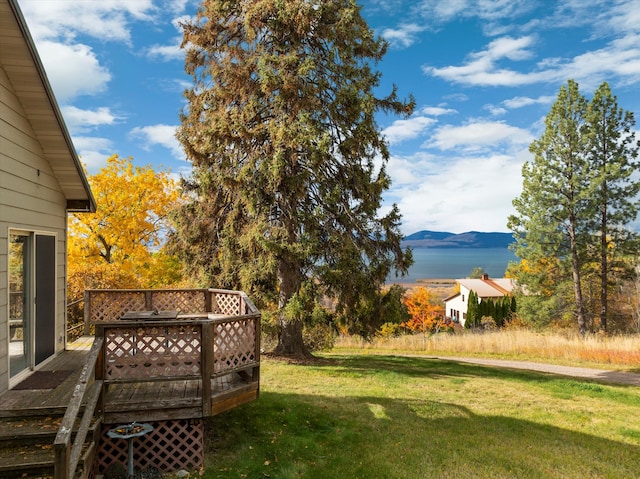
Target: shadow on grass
x,y
436,368
415,366
286,436
289,435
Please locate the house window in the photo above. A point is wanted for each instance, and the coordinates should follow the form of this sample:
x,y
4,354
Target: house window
x,y
463,298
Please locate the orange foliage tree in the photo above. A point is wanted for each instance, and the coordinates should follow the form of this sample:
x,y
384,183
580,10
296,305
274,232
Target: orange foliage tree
x,y
426,310
121,245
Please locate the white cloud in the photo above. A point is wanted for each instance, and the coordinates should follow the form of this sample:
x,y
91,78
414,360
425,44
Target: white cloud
x,y
490,12
72,70
461,193
512,48
436,110
107,20
93,151
403,36
410,171
166,52
163,135
624,16
401,130
620,58
78,120
481,69
171,51
522,101
478,135
495,110
177,6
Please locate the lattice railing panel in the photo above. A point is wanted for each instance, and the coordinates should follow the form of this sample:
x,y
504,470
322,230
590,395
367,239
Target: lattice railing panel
x,y
185,302
171,446
111,305
235,344
226,304
152,351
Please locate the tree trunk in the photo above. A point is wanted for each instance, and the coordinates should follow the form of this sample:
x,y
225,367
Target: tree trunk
x,y
290,342
604,267
577,286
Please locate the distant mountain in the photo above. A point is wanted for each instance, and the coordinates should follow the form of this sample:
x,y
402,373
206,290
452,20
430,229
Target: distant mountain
x,y
470,239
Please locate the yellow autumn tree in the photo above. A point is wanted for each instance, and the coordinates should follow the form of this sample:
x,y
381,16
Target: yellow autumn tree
x,y
121,244
426,310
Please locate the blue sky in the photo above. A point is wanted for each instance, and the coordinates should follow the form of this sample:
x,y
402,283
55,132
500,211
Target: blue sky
x,y
484,74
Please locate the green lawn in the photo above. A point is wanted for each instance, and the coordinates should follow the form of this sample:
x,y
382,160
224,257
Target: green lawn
x,y
369,417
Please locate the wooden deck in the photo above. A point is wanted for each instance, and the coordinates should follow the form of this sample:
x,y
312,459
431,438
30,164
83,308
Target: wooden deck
x,y
200,358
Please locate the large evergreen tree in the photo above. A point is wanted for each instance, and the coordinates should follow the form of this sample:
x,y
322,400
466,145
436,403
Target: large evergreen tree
x,y
288,158
551,219
613,153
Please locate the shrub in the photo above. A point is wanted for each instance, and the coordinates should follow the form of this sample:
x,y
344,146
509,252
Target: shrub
x,y
487,323
390,330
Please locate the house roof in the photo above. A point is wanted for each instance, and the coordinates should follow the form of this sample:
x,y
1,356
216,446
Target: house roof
x,y
21,62
488,288
453,296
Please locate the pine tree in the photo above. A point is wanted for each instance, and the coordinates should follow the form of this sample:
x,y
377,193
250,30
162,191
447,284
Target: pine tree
x,y
280,128
553,216
613,153
579,187
473,311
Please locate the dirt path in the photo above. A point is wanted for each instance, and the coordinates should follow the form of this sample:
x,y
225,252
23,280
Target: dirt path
x,y
604,376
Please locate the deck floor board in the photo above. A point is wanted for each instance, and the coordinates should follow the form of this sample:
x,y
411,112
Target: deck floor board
x,y
43,399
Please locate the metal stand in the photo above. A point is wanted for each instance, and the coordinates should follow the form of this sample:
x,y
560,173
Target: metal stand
x,y
128,432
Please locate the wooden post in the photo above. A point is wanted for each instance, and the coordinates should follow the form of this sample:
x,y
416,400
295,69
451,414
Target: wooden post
x,y
256,370
207,342
148,300
62,459
100,366
87,313
208,305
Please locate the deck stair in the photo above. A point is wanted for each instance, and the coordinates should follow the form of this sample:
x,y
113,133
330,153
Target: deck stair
x,y
26,444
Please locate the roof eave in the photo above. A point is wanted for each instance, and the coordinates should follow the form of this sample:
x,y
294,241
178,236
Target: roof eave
x,y
87,204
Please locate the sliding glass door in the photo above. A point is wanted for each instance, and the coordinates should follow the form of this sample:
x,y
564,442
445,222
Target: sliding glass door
x,y
32,300
20,292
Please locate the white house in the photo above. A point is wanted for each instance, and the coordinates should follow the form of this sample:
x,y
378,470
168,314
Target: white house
x,y
41,180
456,306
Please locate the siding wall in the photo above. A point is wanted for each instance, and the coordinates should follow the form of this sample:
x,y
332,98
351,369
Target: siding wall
x,y
31,200
460,304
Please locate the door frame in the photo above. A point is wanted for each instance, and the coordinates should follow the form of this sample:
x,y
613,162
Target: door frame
x,y
48,312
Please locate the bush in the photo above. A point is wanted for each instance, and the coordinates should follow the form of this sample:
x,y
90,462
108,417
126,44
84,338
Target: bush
x,y
487,323
390,330
318,332
319,337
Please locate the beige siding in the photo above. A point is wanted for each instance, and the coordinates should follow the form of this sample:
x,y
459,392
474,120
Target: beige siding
x,y
31,199
4,297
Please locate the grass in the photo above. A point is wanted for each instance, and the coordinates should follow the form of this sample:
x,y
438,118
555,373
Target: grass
x,y
386,417
616,352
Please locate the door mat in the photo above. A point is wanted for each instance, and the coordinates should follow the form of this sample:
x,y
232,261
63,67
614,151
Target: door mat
x,y
44,379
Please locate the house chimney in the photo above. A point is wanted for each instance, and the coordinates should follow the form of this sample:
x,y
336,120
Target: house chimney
x,y
485,276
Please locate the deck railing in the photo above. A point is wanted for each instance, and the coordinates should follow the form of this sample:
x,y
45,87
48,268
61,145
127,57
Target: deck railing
x,y
221,353
68,452
214,340
107,305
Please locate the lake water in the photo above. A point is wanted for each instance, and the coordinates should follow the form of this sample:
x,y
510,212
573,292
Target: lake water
x,y
455,263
